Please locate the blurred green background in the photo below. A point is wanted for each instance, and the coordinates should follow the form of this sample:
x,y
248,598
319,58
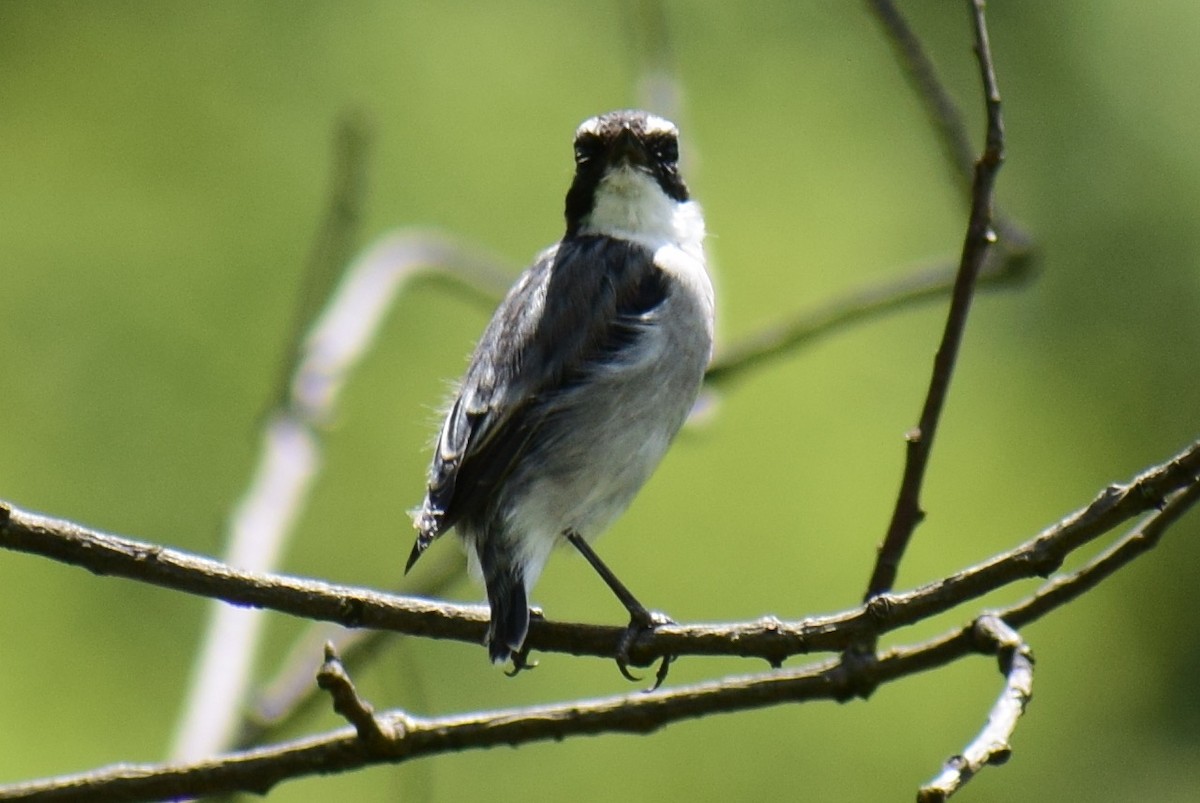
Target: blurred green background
x,y
163,169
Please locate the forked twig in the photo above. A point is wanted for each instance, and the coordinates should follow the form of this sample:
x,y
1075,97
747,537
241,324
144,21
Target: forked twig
x,y
907,513
991,746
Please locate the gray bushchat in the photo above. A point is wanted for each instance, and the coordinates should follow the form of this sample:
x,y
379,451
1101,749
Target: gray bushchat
x,y
582,378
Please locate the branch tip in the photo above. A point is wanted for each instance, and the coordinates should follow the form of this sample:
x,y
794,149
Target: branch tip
x,y
372,730
991,747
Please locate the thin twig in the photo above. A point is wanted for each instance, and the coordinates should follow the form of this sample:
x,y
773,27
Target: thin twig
x,y
907,513
1009,269
767,638
991,746
376,732
342,750
946,119
289,693
940,109
335,243
1010,263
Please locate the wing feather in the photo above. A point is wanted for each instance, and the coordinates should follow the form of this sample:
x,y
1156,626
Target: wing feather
x,y
578,306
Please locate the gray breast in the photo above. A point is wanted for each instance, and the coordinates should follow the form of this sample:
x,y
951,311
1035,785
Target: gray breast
x,y
607,428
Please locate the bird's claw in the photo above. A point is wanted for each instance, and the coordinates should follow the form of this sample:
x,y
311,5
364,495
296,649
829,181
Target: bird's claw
x,y
640,622
521,663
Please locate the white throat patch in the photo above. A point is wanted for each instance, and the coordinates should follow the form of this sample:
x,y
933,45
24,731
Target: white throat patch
x,y
629,205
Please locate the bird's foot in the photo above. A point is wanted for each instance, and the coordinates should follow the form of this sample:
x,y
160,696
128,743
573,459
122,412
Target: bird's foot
x,y
642,621
521,663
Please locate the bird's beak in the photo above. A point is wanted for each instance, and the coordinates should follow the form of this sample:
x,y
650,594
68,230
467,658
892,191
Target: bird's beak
x,y
628,148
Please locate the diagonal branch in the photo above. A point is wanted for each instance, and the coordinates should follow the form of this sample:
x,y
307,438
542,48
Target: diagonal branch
x,y
342,750
1141,540
406,737
907,513
1011,262
262,523
767,638
400,737
945,118
1016,660
940,108
323,362
991,745
1011,268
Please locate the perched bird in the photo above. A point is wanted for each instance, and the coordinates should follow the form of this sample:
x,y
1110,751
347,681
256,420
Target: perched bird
x,y
581,380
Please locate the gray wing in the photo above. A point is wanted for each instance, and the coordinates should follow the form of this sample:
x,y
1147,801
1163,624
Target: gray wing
x,y
577,307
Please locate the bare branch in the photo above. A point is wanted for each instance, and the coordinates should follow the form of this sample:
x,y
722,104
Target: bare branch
x,y
290,692
944,116
940,108
1010,263
767,638
991,746
406,737
907,513
291,452
1016,660
335,242
320,358
375,731
1062,590
342,750
338,751
1009,269
263,520
644,712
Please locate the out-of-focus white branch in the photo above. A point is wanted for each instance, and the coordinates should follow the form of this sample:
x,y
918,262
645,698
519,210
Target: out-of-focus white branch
x,y
266,516
351,321
257,534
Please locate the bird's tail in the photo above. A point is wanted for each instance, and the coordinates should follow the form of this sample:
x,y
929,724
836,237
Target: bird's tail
x,y
510,609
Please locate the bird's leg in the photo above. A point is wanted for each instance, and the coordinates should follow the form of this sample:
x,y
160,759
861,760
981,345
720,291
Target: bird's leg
x,y
641,618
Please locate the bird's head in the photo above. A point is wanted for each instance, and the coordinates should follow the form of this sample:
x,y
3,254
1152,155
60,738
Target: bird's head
x,y
627,178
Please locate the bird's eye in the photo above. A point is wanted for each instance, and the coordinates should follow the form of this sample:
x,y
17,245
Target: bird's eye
x,y
666,150
586,149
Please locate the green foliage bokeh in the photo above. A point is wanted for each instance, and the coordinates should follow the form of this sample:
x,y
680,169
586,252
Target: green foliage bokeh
x,y
163,168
